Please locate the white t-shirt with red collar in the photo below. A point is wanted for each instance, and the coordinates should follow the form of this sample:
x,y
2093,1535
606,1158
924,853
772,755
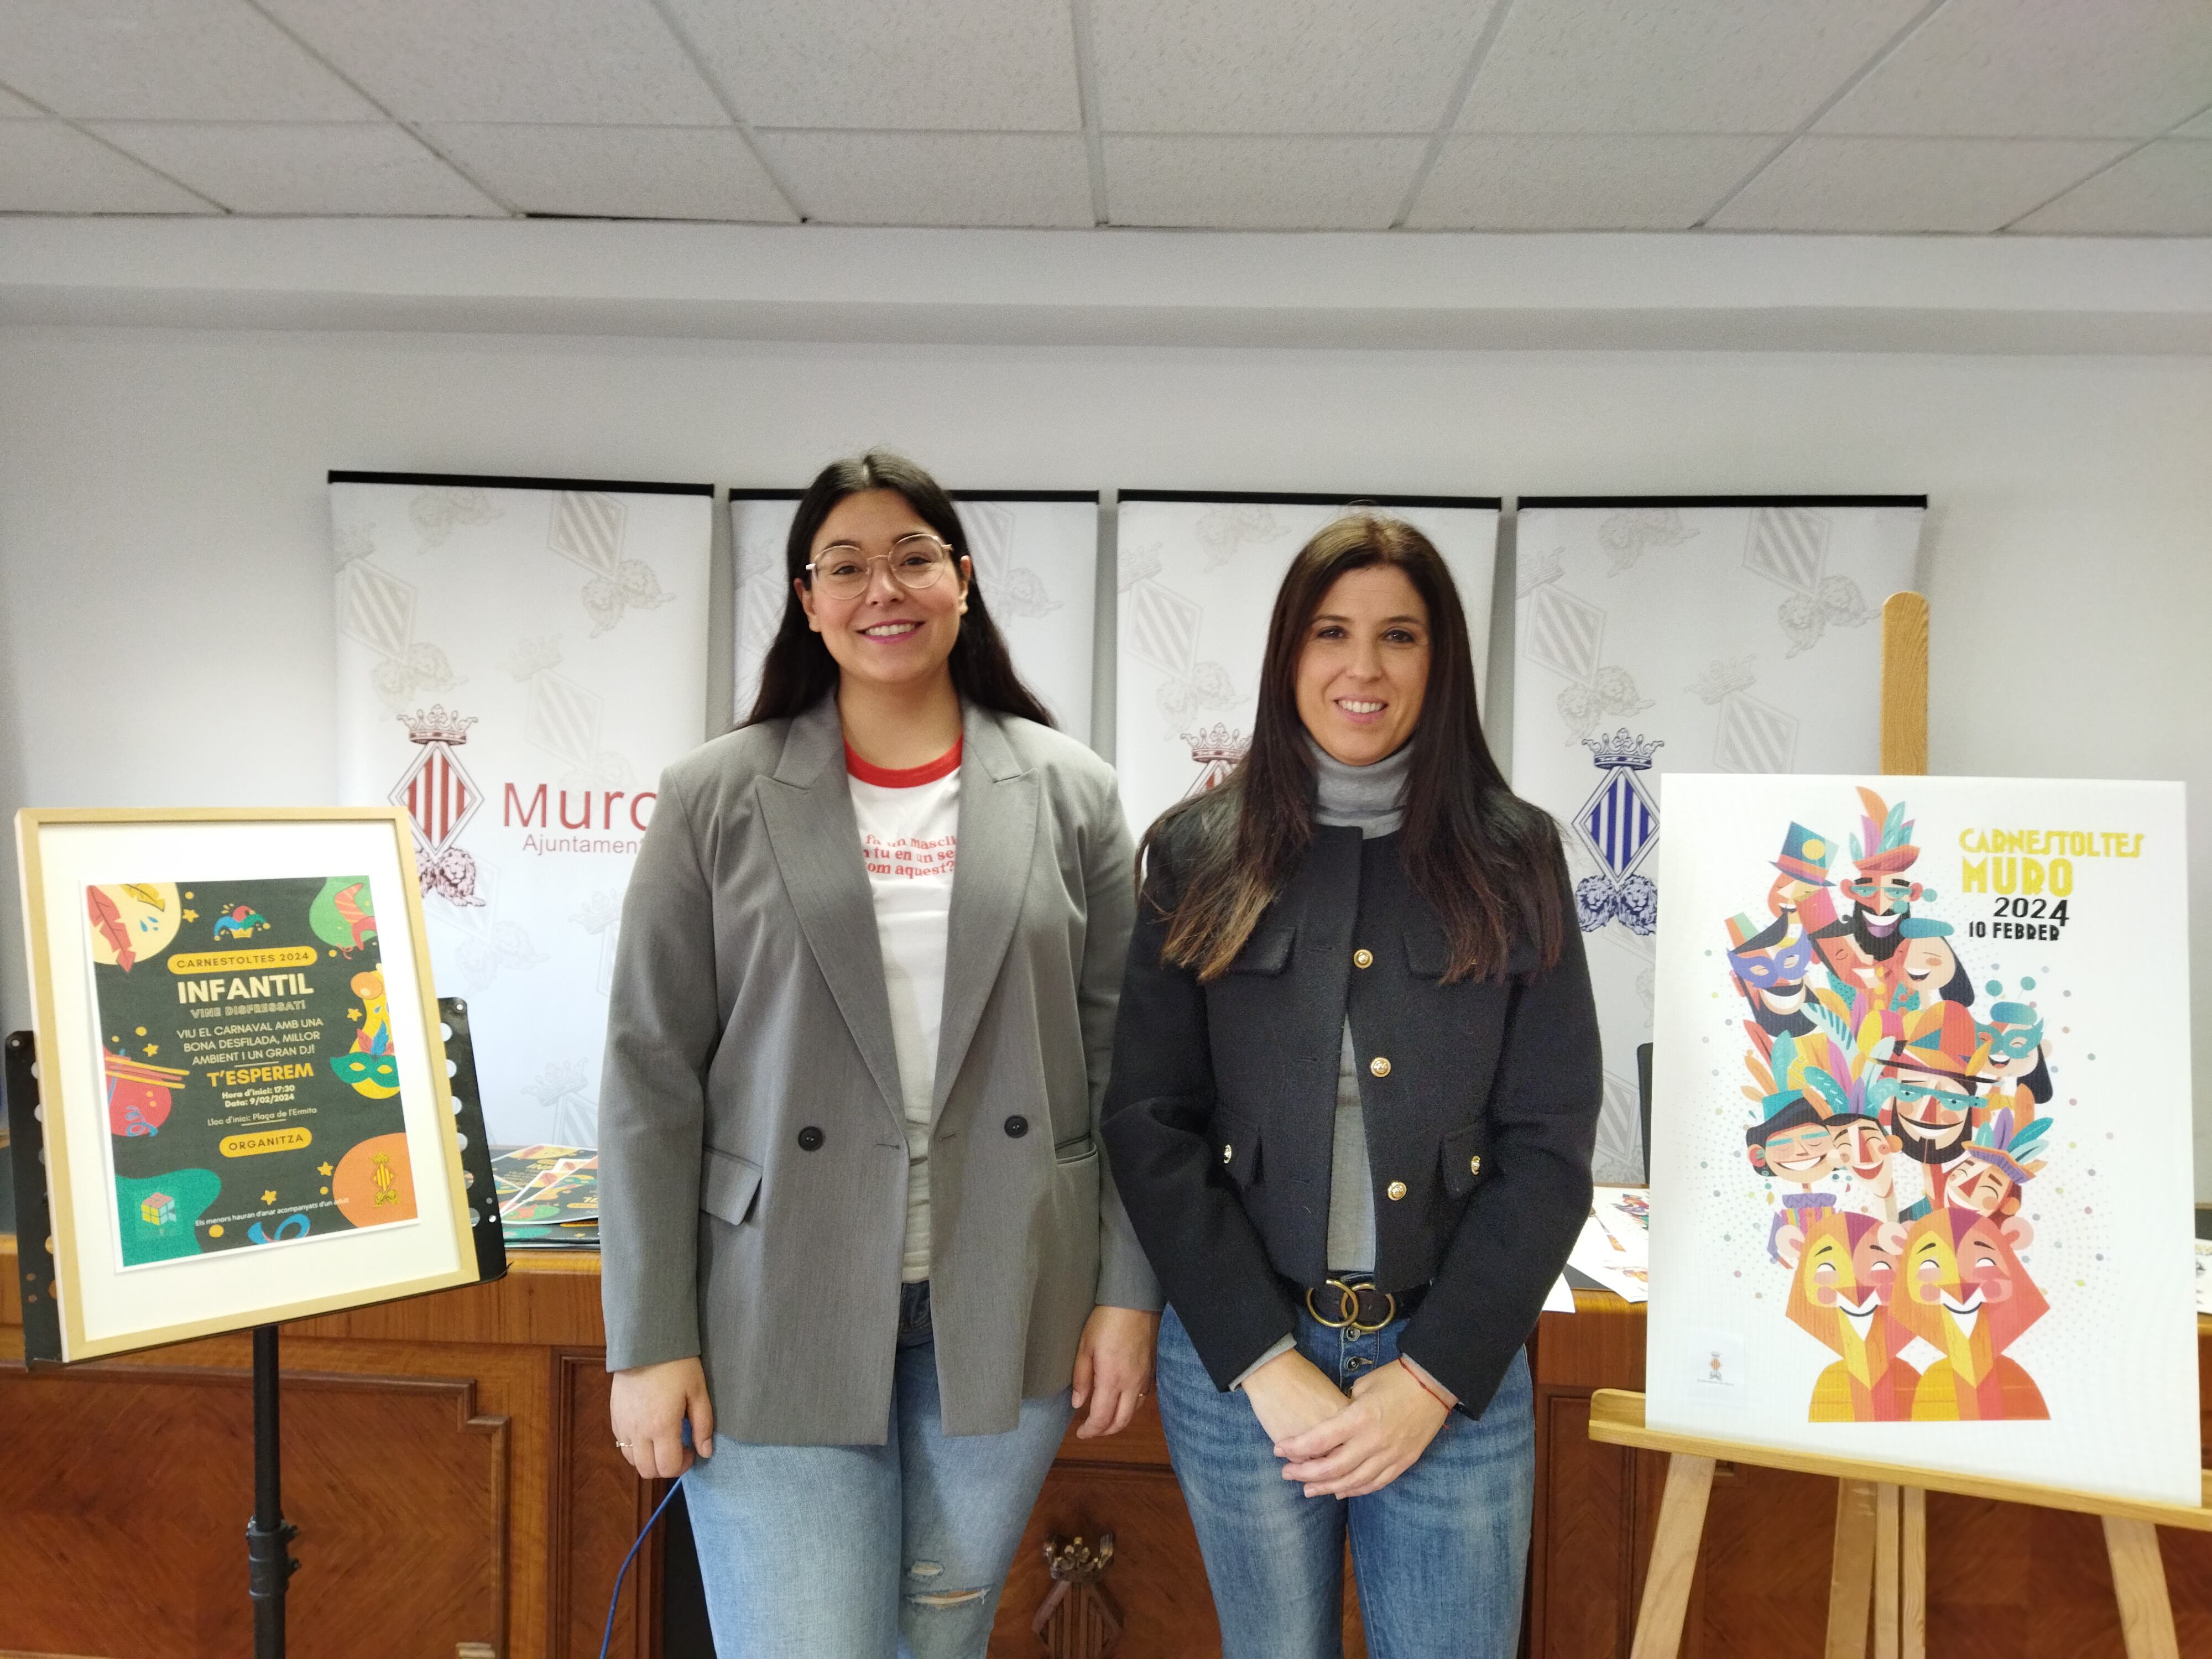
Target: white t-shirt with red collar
x,y
909,822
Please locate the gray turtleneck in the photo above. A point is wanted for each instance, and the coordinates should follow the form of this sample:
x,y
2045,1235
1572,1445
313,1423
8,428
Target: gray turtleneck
x,y
1371,799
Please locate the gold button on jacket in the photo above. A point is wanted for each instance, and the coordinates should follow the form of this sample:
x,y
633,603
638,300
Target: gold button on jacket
x,y
1363,958
1228,1153
1396,1189
1380,1065
1474,1165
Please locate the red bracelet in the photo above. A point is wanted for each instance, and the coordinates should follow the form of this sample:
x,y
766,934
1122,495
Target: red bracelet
x,y
1425,1388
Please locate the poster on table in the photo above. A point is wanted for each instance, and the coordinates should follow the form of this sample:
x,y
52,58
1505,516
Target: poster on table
x,y
1921,1176
1198,574
517,661
1656,635
246,1110
1035,553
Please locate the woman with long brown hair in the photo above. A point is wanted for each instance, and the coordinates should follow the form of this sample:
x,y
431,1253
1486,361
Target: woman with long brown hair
x,y
859,1241
1355,1090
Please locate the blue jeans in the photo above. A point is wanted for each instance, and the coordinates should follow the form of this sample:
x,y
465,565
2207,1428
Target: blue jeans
x,y
865,1552
1439,1553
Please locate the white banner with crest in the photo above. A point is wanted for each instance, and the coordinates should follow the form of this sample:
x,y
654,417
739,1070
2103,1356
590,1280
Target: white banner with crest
x,y
517,661
1685,634
1035,558
1198,574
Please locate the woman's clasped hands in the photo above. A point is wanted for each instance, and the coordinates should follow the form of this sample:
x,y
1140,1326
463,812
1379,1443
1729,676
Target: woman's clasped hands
x,y
1340,1448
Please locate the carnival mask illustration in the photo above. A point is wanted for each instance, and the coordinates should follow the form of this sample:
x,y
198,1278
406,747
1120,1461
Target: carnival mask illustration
x,y
1776,966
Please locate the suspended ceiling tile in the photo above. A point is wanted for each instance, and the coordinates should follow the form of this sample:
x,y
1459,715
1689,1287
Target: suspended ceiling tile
x,y
304,167
2200,128
2164,189
13,108
167,60
976,65
618,172
2039,68
1260,183
1906,185
1693,66
1036,178
556,61
46,167
1312,66
1527,181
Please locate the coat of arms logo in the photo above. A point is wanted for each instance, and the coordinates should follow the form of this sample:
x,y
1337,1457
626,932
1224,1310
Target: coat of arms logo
x,y
441,798
1215,753
1619,826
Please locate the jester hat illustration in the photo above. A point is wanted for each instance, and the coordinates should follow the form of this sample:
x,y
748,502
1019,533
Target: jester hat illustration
x,y
1887,846
2010,1148
1943,1039
1805,855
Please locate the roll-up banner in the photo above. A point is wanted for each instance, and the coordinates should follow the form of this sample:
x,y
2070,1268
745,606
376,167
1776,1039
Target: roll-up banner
x,y
518,659
1198,572
1034,556
1685,633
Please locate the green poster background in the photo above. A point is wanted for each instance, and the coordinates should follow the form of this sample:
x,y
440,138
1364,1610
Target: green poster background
x,y
252,1092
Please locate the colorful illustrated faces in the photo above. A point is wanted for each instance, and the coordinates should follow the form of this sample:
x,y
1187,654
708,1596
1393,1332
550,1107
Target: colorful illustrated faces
x,y
1873,1084
1844,1278
1967,1294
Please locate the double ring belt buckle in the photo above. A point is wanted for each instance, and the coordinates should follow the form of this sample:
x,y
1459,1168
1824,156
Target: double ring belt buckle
x,y
1349,1305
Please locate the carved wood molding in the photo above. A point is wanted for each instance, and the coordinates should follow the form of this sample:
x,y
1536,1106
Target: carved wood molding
x,y
580,1374
1078,1620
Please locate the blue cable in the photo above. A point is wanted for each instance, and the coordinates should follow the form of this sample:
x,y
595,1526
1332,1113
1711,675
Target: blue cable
x,y
615,1601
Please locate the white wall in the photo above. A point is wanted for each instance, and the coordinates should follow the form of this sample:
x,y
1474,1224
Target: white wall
x,y
164,591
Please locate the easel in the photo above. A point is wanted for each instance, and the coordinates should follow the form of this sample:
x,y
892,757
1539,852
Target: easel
x,y
1882,1510
270,1563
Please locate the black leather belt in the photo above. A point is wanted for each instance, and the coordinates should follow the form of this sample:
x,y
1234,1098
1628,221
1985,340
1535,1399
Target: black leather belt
x,y
1355,1304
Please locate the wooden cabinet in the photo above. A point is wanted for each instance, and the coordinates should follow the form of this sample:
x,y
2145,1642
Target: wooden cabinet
x,y
447,1461
2004,1580
450,1466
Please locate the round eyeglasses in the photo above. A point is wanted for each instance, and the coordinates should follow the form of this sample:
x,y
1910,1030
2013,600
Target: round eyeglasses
x,y
843,571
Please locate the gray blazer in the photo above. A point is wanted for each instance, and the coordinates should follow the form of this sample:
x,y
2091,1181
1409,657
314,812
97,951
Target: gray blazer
x,y
753,1153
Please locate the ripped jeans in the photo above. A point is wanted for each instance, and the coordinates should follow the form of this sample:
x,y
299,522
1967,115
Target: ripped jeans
x,y
865,1552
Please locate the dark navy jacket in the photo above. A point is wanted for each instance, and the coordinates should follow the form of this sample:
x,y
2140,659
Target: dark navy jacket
x,y
1219,1117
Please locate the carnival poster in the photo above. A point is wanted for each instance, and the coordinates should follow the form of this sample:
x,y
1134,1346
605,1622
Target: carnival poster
x,y
252,1082
1922,1124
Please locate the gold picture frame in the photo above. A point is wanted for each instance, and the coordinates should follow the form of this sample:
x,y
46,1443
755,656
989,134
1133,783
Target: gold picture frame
x,y
253,1097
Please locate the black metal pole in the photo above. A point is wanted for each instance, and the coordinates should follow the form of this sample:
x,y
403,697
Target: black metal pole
x,y
268,1561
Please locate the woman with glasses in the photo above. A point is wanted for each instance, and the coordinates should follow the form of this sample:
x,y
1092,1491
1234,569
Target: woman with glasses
x,y
1354,1097
858,1238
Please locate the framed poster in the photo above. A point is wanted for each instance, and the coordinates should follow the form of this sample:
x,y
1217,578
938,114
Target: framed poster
x,y
1034,553
1198,572
1921,1125
1651,633
242,1072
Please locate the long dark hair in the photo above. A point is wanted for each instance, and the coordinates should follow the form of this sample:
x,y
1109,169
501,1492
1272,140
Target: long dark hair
x,y
799,671
1487,861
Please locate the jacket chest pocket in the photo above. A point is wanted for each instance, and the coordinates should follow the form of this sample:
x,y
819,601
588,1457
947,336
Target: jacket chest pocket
x,y
1464,1162
1267,951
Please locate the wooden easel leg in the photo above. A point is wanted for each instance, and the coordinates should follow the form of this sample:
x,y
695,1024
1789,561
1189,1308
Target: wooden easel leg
x,y
1912,1601
1884,1572
1851,1578
1673,1558
2139,1586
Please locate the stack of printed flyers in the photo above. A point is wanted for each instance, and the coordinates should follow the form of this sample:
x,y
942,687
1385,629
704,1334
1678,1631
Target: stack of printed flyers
x,y
548,1196
1614,1251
